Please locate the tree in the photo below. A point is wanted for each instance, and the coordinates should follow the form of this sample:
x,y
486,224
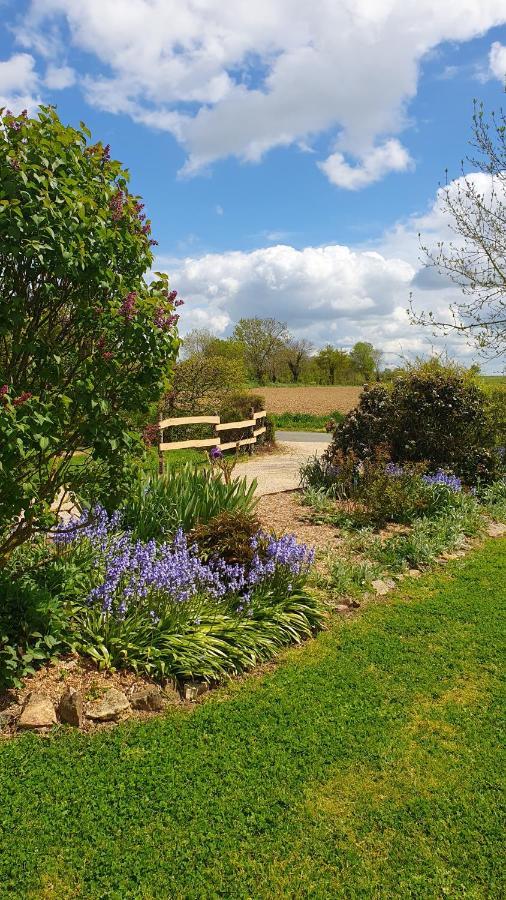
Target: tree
x,y
85,343
201,382
297,353
196,341
475,260
262,339
366,360
333,365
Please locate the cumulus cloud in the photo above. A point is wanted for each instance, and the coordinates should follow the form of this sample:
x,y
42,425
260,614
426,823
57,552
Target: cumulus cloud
x,y
374,165
19,83
242,78
334,293
59,77
497,61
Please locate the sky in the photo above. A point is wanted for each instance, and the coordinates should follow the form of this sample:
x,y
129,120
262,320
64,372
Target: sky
x,y
289,153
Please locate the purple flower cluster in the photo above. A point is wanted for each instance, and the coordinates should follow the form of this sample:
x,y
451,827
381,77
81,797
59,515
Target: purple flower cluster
x,y
440,477
116,205
128,306
133,571
394,470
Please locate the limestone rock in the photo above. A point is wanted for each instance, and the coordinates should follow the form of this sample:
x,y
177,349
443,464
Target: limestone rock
x,y
71,708
38,712
193,689
113,705
496,529
149,700
414,573
383,586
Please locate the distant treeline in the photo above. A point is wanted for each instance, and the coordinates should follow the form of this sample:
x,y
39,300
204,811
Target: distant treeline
x,y
262,351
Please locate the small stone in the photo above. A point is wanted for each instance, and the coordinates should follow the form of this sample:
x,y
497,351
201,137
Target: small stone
x,y
342,608
383,586
148,700
496,529
38,712
71,708
112,705
193,689
414,573
8,716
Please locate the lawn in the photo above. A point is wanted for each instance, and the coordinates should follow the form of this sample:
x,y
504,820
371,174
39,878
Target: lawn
x,y
367,765
290,421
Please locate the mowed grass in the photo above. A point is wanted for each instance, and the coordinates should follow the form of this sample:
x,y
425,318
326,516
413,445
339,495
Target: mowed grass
x,y
304,421
368,764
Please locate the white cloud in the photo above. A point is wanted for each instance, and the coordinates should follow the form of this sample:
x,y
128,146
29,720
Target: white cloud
x,y
497,61
18,83
240,78
374,165
59,77
333,293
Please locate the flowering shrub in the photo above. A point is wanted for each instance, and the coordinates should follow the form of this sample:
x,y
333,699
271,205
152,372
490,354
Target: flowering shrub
x,y
380,490
433,414
161,608
87,344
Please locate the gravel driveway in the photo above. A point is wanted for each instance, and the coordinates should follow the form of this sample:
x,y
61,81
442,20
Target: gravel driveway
x,y
280,471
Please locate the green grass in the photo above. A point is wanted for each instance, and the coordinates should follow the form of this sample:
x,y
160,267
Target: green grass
x,y
367,765
304,421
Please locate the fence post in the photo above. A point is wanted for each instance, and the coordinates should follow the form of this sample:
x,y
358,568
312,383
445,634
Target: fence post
x,y
160,454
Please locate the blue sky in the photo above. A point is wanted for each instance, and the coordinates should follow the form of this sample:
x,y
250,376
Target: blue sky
x,y
286,156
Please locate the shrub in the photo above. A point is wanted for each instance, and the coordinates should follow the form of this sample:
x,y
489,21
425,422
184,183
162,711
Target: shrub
x,y
270,430
86,344
433,414
227,535
182,498
239,406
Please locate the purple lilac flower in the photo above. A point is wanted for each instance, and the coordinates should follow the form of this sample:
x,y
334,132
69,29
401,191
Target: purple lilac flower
x,y
450,481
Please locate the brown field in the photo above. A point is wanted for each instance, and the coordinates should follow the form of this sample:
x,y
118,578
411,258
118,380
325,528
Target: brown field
x,y
309,399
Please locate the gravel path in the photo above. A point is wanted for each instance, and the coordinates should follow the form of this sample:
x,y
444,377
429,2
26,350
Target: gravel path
x,y
280,471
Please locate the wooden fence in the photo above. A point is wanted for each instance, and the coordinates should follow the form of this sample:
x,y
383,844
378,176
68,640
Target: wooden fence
x,y
253,428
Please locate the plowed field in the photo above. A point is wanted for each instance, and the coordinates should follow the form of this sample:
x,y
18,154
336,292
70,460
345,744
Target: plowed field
x,y
309,399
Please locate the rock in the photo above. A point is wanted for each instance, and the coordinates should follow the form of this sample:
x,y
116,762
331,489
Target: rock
x,y
71,708
149,700
342,608
383,586
496,529
193,689
8,716
111,706
414,573
38,712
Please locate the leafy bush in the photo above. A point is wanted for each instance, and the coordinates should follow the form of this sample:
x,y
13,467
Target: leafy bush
x,y
86,344
227,535
433,414
493,498
270,430
34,626
182,498
349,578
201,383
239,406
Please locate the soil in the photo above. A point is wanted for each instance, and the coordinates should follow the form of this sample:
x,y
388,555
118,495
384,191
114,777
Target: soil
x,y
318,400
285,513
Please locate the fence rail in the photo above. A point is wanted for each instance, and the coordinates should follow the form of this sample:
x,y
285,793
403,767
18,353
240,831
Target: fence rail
x,y
252,427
